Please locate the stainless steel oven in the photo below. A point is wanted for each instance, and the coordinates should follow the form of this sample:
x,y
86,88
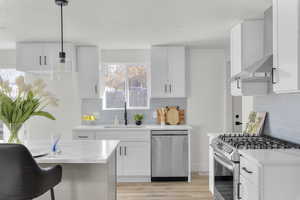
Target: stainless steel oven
x,y
226,178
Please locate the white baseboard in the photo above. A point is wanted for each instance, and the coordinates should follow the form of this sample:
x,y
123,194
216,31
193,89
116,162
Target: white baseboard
x,y
201,173
197,167
132,179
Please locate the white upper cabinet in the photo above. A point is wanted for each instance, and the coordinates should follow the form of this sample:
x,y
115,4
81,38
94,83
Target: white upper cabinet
x,y
29,56
286,71
39,56
168,72
176,62
159,71
246,47
88,71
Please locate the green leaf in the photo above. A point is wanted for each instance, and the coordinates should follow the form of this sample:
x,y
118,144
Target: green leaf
x,y
44,114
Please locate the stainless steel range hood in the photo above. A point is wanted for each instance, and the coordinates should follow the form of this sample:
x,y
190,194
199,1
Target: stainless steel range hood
x,y
258,70
261,69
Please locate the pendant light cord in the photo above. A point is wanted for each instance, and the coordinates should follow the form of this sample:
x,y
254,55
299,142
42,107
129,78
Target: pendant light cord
x,y
62,28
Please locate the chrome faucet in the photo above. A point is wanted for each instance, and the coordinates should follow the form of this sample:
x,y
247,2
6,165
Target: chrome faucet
x,y
125,114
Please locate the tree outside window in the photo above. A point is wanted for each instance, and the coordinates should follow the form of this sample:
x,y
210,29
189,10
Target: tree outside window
x,y
125,82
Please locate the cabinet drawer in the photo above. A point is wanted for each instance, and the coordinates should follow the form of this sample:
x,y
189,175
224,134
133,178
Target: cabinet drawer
x,y
249,170
124,135
248,190
86,135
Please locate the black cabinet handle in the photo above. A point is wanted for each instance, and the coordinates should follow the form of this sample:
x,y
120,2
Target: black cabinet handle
x,y
246,170
170,86
125,151
120,151
96,89
83,137
273,75
238,84
40,60
45,60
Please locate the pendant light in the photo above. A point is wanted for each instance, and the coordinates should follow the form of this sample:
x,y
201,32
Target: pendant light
x,y
63,65
61,4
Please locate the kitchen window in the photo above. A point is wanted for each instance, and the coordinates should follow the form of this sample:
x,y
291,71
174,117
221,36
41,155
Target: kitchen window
x,y
125,82
10,75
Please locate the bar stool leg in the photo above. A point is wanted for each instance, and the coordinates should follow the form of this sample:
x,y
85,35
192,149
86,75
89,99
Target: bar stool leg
x,y
52,194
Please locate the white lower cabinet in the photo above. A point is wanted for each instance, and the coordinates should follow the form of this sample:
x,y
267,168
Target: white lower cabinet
x,y
133,154
270,174
134,159
249,180
248,190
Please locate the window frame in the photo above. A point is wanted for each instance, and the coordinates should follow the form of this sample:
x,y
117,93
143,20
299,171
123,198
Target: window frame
x,y
126,64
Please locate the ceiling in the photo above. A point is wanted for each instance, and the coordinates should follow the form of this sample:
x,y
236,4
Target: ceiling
x,y
121,24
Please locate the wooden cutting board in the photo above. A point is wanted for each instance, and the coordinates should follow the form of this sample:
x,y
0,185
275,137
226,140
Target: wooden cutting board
x,y
174,116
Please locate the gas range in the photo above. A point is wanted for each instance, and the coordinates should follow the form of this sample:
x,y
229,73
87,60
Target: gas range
x,y
229,144
227,160
247,141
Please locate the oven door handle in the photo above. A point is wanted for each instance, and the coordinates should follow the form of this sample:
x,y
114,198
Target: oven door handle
x,y
224,162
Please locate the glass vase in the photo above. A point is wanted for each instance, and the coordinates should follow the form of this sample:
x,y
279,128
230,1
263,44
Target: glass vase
x,y
14,133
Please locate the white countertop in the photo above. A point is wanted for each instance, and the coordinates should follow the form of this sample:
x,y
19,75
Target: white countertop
x,y
75,151
143,127
273,156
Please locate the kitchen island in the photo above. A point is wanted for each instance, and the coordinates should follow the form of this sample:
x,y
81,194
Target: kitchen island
x,y
89,168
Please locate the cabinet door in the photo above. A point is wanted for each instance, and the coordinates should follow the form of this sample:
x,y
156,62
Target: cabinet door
x,y
120,160
88,72
136,157
285,49
248,190
29,56
84,135
252,42
159,72
236,49
176,63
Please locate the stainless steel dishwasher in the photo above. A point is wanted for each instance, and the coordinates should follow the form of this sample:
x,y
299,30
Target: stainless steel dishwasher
x,y
169,156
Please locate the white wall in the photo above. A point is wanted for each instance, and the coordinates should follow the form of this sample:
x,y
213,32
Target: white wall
x,y
206,97
67,113
125,55
247,107
7,58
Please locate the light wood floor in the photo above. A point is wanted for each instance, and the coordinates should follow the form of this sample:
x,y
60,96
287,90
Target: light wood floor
x,y
197,190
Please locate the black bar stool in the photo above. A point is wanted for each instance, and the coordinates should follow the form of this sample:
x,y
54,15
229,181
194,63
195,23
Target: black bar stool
x,y
20,176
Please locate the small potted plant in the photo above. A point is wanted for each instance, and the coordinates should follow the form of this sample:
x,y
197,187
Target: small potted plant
x,y
138,119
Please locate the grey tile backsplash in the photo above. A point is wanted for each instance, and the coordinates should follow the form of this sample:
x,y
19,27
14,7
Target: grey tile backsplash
x,y
90,106
283,120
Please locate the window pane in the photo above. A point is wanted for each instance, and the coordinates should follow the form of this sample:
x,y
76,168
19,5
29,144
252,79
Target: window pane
x,y
11,75
137,85
114,91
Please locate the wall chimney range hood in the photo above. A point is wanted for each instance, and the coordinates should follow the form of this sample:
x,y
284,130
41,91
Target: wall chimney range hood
x,y
261,70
